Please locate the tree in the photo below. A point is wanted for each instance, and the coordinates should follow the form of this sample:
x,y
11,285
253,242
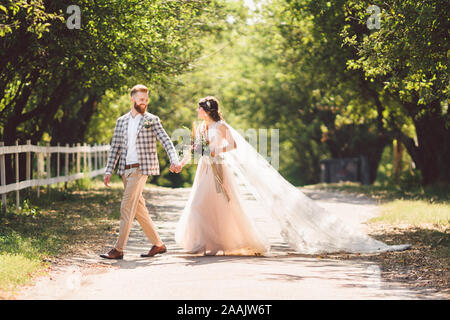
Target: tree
x,y
408,54
53,77
348,107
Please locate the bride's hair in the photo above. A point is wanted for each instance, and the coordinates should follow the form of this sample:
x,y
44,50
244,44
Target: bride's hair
x,y
211,105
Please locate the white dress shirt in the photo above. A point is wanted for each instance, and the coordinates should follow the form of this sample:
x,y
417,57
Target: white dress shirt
x,y
133,124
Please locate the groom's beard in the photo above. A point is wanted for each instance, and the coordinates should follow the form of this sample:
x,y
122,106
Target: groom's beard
x,y
140,108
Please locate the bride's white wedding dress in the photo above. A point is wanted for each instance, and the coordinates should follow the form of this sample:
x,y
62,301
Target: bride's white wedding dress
x,y
216,215
214,218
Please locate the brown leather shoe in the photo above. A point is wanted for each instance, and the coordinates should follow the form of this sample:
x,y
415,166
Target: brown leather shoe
x,y
113,254
155,250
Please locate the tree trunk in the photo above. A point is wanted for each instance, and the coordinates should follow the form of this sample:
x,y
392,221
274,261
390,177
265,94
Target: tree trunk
x,y
78,118
433,146
374,156
432,153
398,160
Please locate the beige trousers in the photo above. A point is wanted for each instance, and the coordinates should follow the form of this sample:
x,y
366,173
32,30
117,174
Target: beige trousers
x,y
133,206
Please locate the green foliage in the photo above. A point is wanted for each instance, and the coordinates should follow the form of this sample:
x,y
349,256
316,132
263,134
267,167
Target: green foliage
x,y
240,68
409,178
54,78
66,220
32,13
408,58
101,126
29,210
25,209
409,52
84,183
310,68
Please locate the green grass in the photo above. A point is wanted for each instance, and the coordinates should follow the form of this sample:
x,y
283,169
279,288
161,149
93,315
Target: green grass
x,y
418,216
416,213
416,207
75,219
381,192
16,270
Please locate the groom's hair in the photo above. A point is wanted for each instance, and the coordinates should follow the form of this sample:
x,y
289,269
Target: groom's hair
x,y
138,88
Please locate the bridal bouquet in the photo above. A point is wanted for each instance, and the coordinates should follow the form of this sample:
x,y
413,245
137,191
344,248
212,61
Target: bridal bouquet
x,y
200,146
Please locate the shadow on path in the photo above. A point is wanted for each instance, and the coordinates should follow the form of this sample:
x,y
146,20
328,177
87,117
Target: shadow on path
x,y
281,274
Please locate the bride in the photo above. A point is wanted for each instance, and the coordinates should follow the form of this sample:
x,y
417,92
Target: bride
x,y
216,215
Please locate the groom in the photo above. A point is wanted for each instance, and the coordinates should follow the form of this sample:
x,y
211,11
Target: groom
x,y
134,146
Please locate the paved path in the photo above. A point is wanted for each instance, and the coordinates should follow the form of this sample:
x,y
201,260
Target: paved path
x,y
177,275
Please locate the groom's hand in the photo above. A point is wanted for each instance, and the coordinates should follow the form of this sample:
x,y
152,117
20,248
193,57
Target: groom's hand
x,y
107,180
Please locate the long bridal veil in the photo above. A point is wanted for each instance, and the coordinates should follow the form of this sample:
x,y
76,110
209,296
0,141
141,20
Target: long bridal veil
x,y
305,226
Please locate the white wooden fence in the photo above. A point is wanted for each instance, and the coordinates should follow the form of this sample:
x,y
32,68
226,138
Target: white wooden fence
x,y
94,161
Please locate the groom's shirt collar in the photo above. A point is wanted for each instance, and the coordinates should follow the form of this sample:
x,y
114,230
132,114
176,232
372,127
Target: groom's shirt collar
x,y
137,116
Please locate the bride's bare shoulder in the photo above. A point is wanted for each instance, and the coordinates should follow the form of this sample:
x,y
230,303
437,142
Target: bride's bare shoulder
x,y
221,125
223,129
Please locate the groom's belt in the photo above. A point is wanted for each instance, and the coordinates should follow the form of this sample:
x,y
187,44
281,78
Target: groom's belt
x,y
134,165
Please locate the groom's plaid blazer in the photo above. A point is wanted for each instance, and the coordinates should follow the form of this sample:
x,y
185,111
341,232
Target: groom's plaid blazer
x,y
145,145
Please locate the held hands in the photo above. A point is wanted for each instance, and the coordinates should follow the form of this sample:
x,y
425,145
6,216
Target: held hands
x,y
175,168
